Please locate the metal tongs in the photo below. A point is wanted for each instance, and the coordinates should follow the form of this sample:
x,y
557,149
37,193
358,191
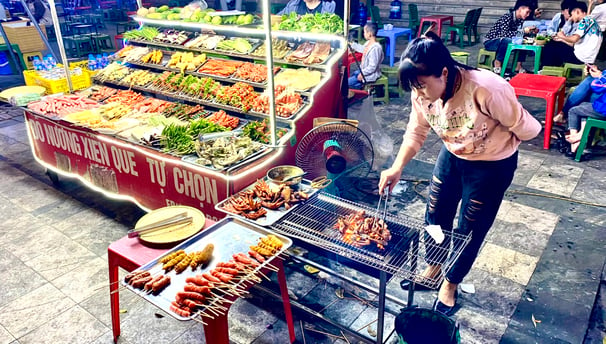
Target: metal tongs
x,y
380,215
170,222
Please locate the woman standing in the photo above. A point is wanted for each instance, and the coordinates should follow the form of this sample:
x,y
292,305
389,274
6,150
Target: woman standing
x,y
481,123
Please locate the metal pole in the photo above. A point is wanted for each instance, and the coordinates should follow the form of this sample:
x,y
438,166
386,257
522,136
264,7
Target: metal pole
x,y
42,35
11,53
60,43
269,62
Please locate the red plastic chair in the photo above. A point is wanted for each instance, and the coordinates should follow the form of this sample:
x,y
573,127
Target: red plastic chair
x,y
550,88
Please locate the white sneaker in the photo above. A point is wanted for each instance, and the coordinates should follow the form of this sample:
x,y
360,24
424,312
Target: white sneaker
x,y
522,70
497,70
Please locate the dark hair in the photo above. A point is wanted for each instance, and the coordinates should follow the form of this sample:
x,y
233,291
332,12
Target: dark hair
x,y
565,5
522,3
373,28
427,56
578,4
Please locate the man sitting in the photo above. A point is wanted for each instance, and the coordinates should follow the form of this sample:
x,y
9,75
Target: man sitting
x,y
502,32
586,40
372,57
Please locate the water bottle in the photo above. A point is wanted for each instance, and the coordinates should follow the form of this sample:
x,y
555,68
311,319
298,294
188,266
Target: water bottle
x,y
105,59
99,61
363,14
37,64
92,63
51,61
395,10
45,65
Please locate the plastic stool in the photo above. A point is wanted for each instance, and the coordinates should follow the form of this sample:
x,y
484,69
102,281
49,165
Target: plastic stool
x,y
381,81
119,39
28,58
486,58
460,56
569,68
511,47
591,123
552,70
103,43
392,73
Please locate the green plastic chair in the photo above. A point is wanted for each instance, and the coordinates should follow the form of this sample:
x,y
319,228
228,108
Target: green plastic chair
x,y
474,25
591,123
462,29
413,17
513,47
375,16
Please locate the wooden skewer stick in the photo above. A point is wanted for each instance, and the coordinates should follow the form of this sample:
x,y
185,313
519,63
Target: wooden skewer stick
x,y
324,333
205,315
222,298
302,331
200,321
343,334
263,275
363,327
328,305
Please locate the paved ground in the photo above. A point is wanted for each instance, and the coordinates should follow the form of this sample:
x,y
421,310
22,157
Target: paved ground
x,y
543,258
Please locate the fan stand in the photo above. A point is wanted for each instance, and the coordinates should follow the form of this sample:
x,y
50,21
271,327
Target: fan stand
x,y
332,187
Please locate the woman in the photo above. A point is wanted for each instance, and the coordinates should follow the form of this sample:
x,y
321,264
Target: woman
x,y
596,108
302,7
501,33
372,57
481,123
582,93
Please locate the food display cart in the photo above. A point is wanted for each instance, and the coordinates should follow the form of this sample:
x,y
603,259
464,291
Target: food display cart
x,y
110,160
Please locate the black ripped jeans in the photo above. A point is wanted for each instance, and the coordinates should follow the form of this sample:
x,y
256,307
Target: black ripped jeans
x,y
480,186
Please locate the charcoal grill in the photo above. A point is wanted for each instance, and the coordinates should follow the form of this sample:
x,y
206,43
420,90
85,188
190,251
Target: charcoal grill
x,y
313,223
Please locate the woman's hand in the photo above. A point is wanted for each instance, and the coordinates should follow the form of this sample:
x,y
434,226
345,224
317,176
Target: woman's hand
x,y
594,71
389,178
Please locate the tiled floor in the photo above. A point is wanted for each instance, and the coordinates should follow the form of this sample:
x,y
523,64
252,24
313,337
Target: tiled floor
x,y
543,257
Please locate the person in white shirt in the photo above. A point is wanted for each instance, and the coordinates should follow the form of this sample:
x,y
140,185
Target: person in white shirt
x,y
586,40
597,9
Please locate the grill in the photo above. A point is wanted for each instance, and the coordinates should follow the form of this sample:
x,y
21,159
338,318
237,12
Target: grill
x,y
313,223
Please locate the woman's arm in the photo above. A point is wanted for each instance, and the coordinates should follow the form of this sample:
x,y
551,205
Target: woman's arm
x,y
291,6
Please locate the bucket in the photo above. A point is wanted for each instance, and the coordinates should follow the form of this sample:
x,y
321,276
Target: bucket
x,y
5,66
420,326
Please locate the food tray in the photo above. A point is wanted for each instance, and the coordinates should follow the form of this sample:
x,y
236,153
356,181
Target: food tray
x,y
217,77
272,216
300,62
229,236
255,43
252,83
295,114
192,158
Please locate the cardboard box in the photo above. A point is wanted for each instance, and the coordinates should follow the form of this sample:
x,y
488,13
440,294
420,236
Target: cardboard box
x,y
27,37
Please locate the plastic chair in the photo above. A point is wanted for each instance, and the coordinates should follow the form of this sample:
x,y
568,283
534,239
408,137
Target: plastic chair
x,y
375,16
28,58
460,56
486,58
392,74
474,25
381,81
18,55
511,47
552,70
413,17
590,124
569,68
462,29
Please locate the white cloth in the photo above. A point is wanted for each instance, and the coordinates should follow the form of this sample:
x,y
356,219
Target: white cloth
x,y
599,14
587,48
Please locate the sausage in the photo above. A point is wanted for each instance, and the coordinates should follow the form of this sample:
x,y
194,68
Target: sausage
x,y
139,283
170,256
190,303
229,271
183,264
135,275
211,278
225,278
161,284
197,289
242,258
255,255
148,285
199,281
190,295
180,310
173,262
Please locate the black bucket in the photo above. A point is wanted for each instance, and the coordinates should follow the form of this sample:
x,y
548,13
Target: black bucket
x,y
420,326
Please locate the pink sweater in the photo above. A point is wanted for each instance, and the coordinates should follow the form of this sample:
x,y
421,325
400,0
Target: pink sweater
x,y
482,121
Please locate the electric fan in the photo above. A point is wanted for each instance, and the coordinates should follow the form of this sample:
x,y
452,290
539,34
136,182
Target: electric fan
x,y
338,150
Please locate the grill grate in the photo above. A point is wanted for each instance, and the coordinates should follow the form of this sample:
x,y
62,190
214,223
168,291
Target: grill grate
x,y
403,256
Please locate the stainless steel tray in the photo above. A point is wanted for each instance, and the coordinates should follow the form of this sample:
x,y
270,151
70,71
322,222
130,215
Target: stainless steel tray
x,y
272,216
229,236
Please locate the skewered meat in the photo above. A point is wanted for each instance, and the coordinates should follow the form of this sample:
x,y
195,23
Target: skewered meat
x,y
301,53
319,53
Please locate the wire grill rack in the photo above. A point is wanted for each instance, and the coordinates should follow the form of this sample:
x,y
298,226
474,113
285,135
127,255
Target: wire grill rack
x,y
313,223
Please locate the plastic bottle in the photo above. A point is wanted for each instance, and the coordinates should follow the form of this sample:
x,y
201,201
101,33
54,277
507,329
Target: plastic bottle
x,y
92,63
99,61
37,64
395,10
51,61
105,59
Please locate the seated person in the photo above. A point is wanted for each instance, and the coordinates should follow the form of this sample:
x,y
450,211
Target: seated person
x,y
372,57
535,11
582,93
597,9
501,33
594,109
302,7
586,40
552,50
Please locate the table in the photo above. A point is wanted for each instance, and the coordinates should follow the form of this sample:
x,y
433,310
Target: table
x,y
129,254
392,36
439,19
550,88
